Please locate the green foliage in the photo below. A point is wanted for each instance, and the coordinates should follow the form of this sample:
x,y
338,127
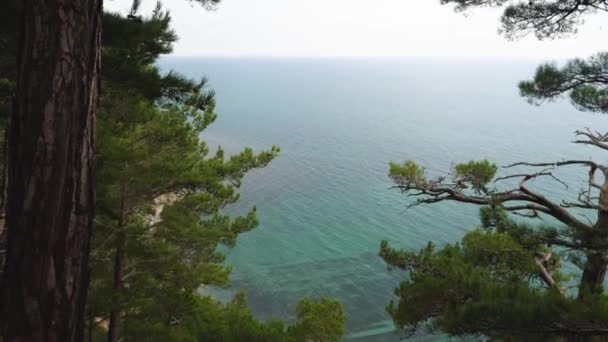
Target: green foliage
x,y
208,4
492,217
546,19
582,80
477,173
160,195
408,174
455,286
533,237
320,320
498,252
489,284
154,181
209,320
411,176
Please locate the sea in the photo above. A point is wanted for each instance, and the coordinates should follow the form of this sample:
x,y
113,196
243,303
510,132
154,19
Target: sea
x,y
326,202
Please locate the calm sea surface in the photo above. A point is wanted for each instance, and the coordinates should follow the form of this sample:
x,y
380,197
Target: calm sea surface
x,y
324,204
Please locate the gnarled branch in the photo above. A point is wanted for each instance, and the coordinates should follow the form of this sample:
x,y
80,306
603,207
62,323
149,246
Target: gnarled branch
x,y
436,191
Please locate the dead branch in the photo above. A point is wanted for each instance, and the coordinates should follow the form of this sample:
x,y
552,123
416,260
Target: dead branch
x,y
544,273
592,138
588,163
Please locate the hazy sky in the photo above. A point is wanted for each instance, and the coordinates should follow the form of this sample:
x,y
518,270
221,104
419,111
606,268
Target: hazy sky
x,y
356,28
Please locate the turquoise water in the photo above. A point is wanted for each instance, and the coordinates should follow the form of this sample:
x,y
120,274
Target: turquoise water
x,y
324,204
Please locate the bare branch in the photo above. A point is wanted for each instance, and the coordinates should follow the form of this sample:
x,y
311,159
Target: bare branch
x,y
532,214
588,163
522,175
555,210
566,204
592,138
544,273
429,192
532,208
533,175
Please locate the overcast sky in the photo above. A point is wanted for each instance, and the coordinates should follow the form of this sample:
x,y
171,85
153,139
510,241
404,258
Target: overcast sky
x,y
356,28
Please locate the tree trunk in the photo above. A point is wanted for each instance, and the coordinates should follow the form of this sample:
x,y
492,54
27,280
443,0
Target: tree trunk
x,y
50,189
594,271
118,259
117,283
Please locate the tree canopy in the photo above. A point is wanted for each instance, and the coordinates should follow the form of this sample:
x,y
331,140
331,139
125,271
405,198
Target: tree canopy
x,y
161,191
546,19
508,278
583,81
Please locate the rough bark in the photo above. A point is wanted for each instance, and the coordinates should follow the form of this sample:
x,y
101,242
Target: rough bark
x,y
594,271
50,192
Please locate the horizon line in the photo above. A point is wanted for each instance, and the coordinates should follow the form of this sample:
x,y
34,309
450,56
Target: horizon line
x,y
379,57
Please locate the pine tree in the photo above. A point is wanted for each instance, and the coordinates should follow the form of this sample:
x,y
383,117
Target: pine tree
x,y
155,180
507,279
160,194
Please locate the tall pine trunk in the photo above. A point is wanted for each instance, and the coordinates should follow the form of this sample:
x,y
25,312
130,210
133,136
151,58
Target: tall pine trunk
x,y
594,274
116,286
50,190
596,265
118,260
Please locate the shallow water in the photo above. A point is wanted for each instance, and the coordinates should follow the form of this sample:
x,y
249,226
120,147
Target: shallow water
x,y
324,204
